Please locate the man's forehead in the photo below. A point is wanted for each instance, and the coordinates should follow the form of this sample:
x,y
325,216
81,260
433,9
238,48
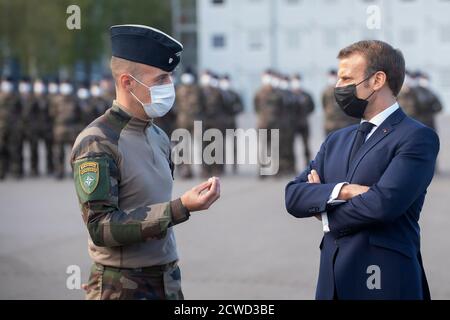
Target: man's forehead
x,y
351,64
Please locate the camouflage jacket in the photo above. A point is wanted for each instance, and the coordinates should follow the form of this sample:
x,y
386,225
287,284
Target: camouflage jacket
x,y
122,173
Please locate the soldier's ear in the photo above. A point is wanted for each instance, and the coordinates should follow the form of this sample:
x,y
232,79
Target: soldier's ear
x,y
125,81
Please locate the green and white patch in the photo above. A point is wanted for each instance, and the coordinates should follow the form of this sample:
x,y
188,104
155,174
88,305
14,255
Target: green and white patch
x,y
89,176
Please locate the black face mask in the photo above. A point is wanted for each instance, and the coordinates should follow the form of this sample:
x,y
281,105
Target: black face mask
x,y
348,101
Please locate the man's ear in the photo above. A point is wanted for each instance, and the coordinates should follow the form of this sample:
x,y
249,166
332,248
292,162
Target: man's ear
x,y
125,81
379,80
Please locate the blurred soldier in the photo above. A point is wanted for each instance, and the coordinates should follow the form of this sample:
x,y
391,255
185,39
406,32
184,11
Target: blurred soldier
x,y
107,89
335,118
122,173
268,107
303,107
97,100
287,127
428,102
407,98
233,106
10,130
66,112
213,115
188,105
89,111
41,105
29,125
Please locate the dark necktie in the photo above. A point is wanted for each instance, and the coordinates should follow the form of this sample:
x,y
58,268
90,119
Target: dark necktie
x,y
363,130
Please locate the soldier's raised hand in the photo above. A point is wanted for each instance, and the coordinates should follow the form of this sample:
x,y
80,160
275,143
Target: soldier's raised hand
x,y
201,197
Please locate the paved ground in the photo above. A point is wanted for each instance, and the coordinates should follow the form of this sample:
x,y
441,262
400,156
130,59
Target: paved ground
x,y
245,247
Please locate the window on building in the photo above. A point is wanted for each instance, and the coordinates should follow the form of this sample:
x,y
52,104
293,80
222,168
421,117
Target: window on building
x,y
217,1
218,41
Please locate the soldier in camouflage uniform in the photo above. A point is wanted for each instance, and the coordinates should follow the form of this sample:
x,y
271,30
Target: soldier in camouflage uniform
x,y
107,89
187,107
89,111
287,127
213,117
31,127
303,106
97,99
428,102
8,105
233,107
268,105
335,118
11,131
122,173
407,97
66,112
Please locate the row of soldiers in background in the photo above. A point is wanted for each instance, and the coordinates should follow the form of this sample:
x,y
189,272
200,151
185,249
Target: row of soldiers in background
x,y
282,103
210,99
53,112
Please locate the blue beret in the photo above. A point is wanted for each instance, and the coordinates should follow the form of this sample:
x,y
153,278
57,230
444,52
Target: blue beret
x,y
145,45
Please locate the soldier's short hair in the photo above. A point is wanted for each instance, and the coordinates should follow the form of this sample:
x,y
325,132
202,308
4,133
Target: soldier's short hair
x,y
380,56
120,66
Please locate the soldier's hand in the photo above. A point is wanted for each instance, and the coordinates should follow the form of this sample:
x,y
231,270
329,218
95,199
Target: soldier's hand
x,y
202,196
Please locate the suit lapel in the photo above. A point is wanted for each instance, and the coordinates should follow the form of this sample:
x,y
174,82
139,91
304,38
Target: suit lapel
x,y
380,133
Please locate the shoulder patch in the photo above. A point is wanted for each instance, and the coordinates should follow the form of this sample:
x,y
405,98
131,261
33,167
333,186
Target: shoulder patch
x,y
92,179
88,174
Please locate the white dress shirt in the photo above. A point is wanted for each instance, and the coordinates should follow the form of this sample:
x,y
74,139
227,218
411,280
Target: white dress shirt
x,y
377,120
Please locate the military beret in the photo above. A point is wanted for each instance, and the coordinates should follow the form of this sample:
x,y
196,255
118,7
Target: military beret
x,y
145,45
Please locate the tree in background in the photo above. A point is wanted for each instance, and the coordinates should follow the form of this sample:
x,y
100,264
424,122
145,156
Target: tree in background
x,y
34,33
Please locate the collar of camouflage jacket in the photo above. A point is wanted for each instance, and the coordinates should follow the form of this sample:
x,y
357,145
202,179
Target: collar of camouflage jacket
x,y
132,123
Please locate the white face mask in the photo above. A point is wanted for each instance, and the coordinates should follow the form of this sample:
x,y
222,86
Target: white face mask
x,y
38,87
162,99
187,78
7,87
275,82
332,80
266,79
424,82
96,91
24,87
284,85
65,89
205,80
52,88
83,93
295,84
224,85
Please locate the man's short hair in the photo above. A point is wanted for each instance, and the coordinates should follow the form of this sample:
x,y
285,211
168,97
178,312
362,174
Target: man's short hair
x,y
380,56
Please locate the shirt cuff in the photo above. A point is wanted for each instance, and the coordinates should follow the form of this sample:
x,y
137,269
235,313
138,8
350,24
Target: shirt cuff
x,y
335,194
326,228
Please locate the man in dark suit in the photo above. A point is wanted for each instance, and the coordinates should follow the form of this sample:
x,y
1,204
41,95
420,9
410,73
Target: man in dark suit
x,y
368,183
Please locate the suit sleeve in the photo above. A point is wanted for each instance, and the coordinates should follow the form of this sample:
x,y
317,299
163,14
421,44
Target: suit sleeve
x,y
405,179
305,199
96,177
